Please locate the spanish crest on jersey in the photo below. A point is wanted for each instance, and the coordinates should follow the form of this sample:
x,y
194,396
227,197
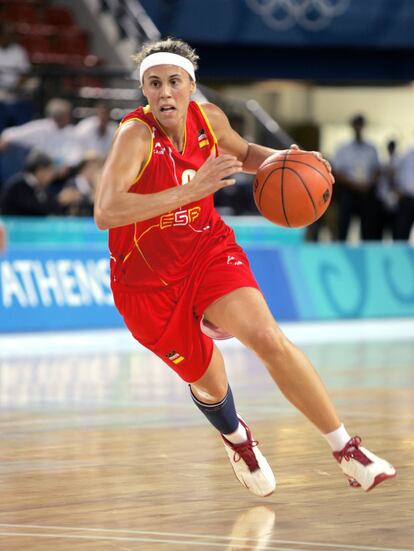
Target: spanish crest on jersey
x,y
161,250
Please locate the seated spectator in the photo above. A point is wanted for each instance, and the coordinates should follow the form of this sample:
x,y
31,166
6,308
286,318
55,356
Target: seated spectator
x,y
95,133
14,63
54,135
27,194
85,182
14,66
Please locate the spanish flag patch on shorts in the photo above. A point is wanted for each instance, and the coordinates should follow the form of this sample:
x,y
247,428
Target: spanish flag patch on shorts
x,y
174,357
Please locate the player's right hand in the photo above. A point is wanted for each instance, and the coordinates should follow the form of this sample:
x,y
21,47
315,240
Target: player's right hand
x,y
214,174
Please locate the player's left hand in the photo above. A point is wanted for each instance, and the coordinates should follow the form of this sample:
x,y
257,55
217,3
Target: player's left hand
x,y
319,156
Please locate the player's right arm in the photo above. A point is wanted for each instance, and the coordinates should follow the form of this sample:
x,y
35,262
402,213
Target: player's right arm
x,y
115,206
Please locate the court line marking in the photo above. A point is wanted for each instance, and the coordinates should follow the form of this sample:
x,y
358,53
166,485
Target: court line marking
x,y
197,536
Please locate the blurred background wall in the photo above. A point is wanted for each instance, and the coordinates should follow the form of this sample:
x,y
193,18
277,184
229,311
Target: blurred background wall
x,y
284,71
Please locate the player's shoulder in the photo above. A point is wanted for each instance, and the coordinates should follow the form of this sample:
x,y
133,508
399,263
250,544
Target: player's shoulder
x,y
133,138
213,112
134,129
216,117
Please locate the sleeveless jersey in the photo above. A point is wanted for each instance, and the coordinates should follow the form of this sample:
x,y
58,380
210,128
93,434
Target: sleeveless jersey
x,y
163,250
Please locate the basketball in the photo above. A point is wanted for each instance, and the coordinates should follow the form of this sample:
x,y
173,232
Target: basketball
x,y
293,188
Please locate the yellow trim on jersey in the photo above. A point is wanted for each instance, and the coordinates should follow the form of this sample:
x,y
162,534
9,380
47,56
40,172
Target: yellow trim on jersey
x,y
143,233
141,172
168,137
185,137
150,267
203,113
147,109
135,245
128,254
136,241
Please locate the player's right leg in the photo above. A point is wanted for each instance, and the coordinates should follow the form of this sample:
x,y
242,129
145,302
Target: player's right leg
x,y
244,314
212,395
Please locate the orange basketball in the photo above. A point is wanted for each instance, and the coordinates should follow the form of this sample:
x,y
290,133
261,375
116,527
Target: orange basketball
x,y
293,188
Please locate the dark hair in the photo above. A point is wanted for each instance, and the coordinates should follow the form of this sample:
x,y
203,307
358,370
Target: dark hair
x,y
170,45
37,159
358,119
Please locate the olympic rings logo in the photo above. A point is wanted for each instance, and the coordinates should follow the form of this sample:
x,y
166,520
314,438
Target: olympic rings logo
x,y
312,15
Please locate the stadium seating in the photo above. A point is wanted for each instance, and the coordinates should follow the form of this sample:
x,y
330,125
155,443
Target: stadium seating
x,y
20,12
49,33
60,16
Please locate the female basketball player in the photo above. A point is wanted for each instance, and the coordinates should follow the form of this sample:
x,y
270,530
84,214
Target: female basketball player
x,y
178,277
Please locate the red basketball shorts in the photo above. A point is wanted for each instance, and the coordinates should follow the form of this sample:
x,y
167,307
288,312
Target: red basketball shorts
x,y
167,320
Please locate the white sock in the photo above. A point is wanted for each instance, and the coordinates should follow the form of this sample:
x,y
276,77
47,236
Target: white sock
x,y
238,436
338,438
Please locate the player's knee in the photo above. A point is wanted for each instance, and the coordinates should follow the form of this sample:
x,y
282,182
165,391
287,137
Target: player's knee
x,y
211,394
272,346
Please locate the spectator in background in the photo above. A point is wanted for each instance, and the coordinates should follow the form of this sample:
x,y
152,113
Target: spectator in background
x,y
27,194
85,181
95,133
54,135
404,185
387,194
14,63
357,168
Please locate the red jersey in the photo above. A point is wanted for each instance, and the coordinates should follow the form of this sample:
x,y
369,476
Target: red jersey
x,y
165,249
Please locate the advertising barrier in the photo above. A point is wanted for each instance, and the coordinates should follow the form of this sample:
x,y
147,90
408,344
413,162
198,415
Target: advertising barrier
x,y
336,282
45,288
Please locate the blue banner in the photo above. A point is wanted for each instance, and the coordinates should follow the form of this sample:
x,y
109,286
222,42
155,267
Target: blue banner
x,y
49,288
288,23
330,282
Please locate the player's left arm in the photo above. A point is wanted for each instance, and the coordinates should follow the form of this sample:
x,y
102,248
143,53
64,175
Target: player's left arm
x,y
229,141
252,155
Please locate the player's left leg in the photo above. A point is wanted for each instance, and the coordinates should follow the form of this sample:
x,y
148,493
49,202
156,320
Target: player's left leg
x,y
245,314
212,395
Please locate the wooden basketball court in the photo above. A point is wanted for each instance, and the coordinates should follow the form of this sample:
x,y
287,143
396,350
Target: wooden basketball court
x,y
101,448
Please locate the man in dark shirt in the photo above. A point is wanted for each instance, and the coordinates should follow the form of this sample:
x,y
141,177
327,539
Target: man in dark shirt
x,y
27,194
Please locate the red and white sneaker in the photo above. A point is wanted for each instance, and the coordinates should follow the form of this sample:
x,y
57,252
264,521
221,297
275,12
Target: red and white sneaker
x,y
250,466
362,467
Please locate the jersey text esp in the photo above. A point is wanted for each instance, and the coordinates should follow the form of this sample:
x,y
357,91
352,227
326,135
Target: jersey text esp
x,y
165,249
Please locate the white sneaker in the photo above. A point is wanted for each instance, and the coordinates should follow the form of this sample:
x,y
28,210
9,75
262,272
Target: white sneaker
x,y
250,465
362,467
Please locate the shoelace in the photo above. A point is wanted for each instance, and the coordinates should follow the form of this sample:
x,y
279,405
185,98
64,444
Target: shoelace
x,y
245,451
352,451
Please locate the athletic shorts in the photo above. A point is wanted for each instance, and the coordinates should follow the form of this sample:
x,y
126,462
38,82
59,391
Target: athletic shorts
x,y
167,320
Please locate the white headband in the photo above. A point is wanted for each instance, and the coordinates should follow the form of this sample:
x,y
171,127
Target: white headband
x,y
166,58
